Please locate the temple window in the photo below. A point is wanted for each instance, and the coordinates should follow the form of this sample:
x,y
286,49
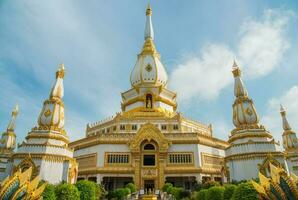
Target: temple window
x,y
108,130
149,160
163,127
134,127
116,158
175,127
122,127
149,147
180,158
114,128
149,101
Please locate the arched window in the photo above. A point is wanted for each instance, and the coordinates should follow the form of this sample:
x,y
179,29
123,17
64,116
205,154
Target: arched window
x,y
149,101
149,147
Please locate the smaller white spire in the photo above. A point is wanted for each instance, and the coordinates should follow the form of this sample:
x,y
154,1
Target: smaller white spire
x,y
58,89
285,123
149,33
12,123
239,88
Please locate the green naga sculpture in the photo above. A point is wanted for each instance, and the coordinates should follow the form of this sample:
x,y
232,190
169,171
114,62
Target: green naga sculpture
x,y
280,186
19,186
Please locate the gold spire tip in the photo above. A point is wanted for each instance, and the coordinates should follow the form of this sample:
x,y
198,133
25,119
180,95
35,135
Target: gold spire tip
x,y
61,71
148,10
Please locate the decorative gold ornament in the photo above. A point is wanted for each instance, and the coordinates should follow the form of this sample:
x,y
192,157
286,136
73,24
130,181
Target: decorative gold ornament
x,y
47,113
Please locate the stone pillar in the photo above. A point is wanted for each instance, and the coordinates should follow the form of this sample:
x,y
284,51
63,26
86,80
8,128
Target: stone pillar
x,y
136,165
162,161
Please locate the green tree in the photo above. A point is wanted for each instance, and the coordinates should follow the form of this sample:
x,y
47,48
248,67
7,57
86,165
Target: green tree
x,y
100,192
87,189
67,191
132,187
201,195
49,192
166,186
229,191
245,191
215,193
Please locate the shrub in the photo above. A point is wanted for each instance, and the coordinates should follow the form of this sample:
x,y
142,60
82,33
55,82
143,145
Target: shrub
x,y
210,184
215,193
49,192
132,187
185,194
67,191
198,186
229,191
166,186
201,195
170,189
245,191
87,189
176,192
121,193
100,192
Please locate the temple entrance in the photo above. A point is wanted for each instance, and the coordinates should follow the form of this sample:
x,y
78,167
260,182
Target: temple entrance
x,y
149,186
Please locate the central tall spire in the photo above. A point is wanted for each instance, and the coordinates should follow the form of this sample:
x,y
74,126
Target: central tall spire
x,y
149,33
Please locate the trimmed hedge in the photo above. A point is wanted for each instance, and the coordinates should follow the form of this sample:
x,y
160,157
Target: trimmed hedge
x,y
49,192
229,191
201,195
245,191
67,191
215,193
87,189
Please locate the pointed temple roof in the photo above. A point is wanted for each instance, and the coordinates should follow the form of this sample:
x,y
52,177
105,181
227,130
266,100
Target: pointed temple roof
x,y
148,70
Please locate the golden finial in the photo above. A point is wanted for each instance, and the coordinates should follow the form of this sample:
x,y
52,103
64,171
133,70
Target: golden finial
x,y
236,70
61,71
148,10
15,110
282,110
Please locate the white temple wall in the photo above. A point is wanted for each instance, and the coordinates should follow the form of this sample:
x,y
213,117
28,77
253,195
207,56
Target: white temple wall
x,y
100,151
52,172
254,147
46,149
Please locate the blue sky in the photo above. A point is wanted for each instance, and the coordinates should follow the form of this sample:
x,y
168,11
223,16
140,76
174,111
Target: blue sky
x,y
98,41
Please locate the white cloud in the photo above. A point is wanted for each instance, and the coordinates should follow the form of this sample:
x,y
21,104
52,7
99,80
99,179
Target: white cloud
x,y
263,43
203,76
272,117
261,48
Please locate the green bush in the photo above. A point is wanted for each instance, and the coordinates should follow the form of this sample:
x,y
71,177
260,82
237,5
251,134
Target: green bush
x,y
87,189
132,187
100,192
166,186
245,191
67,191
210,184
49,192
201,195
229,191
169,189
215,193
185,194
176,192
121,193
